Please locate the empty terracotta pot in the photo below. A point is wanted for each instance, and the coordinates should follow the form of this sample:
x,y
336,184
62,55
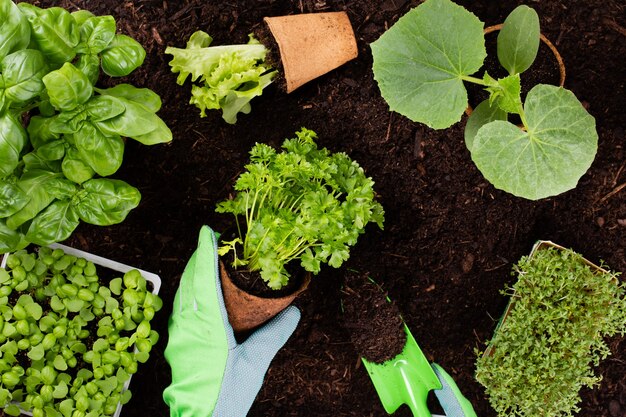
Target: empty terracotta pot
x,y
312,44
247,311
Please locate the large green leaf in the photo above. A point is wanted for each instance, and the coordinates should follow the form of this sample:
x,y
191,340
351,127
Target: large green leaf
x,y
122,56
22,72
68,87
420,61
107,201
34,184
12,198
75,168
97,33
13,139
143,96
104,154
548,159
483,113
14,30
56,223
518,41
54,31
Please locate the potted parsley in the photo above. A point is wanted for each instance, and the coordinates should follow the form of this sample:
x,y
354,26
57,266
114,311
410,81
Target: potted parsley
x,y
60,135
296,49
421,64
298,208
543,349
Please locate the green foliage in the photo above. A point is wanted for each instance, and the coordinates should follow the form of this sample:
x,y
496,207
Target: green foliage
x,y
227,77
304,203
421,64
58,132
79,356
542,353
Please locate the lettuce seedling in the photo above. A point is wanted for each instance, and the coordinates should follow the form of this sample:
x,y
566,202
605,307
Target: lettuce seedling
x,y
73,131
421,63
227,77
303,203
543,351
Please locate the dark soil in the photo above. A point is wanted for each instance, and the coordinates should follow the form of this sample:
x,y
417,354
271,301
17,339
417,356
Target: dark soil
x,y
450,238
374,322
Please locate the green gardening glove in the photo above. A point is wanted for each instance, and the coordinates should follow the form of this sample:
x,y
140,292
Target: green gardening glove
x,y
212,375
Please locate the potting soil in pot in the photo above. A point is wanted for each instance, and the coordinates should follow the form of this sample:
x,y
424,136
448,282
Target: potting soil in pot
x,y
374,322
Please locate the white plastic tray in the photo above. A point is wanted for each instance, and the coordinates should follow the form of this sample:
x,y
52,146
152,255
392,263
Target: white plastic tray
x,y
154,279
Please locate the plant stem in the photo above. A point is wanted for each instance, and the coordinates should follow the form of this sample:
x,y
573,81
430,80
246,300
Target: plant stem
x,y
474,80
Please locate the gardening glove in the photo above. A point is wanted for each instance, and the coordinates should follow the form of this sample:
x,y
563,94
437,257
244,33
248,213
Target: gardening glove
x,y
454,404
213,375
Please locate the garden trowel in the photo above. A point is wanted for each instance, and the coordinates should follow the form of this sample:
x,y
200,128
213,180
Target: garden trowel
x,y
407,379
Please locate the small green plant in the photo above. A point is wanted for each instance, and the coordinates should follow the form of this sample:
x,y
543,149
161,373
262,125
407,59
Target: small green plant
x,y
58,132
68,340
421,63
227,77
542,353
304,203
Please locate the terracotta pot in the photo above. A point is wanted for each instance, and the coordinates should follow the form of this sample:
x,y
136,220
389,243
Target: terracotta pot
x,y
312,44
547,42
247,311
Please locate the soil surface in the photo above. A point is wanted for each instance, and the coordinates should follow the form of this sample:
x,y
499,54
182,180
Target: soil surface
x,y
374,322
450,238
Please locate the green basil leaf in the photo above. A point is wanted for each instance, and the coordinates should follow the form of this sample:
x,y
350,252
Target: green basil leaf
x,y
90,66
107,201
22,72
67,87
518,40
122,56
13,139
482,114
135,121
161,134
74,168
12,198
420,62
74,305
104,154
62,189
54,31
97,33
9,239
56,223
32,161
550,157
142,96
60,390
39,131
68,122
59,363
103,107
14,31
52,151
81,16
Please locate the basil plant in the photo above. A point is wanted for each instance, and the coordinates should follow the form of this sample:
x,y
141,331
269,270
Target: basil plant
x,y
60,135
421,64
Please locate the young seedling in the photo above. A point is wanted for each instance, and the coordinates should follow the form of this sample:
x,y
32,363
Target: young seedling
x,y
303,203
421,64
84,323
542,353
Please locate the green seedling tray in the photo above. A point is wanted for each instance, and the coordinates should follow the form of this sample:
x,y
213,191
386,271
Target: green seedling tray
x,y
154,279
539,245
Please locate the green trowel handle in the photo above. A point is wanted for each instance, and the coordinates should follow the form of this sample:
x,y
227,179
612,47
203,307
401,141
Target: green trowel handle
x,y
405,379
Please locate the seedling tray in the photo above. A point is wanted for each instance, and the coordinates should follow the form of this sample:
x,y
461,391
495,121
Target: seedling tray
x,y
101,262
539,245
